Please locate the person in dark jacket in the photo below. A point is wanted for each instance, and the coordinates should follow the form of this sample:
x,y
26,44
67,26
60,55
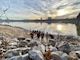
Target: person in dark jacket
x,y
42,36
38,34
32,34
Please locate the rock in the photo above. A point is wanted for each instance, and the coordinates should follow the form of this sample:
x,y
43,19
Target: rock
x,y
64,46
2,38
16,58
32,43
11,53
13,43
73,55
8,54
64,56
52,48
55,57
78,54
60,55
22,57
21,38
10,47
22,43
25,57
25,51
52,42
28,39
36,55
41,48
75,46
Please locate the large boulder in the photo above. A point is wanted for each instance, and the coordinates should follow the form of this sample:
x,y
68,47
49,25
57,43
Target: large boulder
x,y
36,55
64,46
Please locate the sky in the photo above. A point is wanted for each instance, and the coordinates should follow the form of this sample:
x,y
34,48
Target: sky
x,y
35,9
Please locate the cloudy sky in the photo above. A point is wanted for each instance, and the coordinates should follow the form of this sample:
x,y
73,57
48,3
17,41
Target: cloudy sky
x,y
35,9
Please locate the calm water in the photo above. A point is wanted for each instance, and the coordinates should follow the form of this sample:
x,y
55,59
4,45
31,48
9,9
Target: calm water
x,y
66,29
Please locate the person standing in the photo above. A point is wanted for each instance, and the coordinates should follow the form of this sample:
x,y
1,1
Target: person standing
x,y
32,34
38,34
42,36
47,36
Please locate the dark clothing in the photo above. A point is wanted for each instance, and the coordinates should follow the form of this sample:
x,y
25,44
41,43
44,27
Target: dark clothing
x,y
42,35
51,36
38,35
31,35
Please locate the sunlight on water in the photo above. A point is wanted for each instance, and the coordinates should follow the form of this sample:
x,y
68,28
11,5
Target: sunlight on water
x,y
66,29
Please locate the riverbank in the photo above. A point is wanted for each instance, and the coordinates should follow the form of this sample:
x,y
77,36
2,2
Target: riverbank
x,y
12,31
21,47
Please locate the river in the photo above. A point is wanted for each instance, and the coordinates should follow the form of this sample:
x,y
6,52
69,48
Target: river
x,y
53,28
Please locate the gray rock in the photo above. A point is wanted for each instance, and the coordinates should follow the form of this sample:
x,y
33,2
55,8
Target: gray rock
x,y
25,57
41,48
36,55
2,37
32,43
16,58
52,42
25,51
64,56
64,46
52,48
22,43
59,55
11,53
55,57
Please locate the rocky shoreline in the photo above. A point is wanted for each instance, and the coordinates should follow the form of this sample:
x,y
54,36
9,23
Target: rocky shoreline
x,y
21,48
15,49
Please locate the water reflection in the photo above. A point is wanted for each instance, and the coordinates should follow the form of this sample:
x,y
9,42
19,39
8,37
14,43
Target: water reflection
x,y
67,29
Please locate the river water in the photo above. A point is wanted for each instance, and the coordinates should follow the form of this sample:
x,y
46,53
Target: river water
x,y
53,28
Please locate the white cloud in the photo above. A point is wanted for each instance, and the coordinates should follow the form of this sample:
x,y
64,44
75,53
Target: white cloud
x,y
42,8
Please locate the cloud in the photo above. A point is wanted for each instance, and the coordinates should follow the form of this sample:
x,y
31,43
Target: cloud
x,y
40,8
48,7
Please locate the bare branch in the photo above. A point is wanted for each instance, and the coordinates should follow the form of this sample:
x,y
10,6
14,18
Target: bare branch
x,y
5,10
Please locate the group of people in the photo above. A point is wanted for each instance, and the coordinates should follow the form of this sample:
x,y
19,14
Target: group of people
x,y
41,35
38,34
